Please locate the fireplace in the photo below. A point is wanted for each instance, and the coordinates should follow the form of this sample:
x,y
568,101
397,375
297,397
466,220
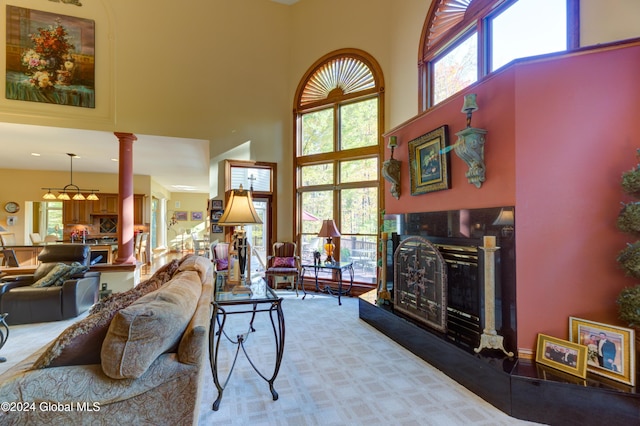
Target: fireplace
x,y
457,237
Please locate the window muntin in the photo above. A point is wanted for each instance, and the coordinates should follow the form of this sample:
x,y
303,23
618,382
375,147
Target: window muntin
x,y
516,31
359,124
456,69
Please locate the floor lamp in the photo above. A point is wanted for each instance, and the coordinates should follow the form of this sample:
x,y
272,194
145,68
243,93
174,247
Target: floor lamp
x,y
240,212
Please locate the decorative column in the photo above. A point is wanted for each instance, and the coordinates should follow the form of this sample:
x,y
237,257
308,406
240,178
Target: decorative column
x,y
383,293
125,199
490,338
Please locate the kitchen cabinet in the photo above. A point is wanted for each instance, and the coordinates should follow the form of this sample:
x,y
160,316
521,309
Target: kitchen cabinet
x,y
76,212
138,209
81,212
27,256
107,204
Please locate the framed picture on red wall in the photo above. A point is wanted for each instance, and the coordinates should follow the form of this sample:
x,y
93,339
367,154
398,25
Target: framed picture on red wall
x,y
429,164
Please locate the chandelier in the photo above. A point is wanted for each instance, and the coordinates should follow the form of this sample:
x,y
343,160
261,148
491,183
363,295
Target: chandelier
x,y
70,191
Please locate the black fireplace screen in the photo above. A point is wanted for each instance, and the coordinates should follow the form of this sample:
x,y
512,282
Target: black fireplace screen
x,y
420,282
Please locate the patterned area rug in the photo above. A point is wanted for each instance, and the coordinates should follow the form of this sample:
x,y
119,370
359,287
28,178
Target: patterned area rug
x,y
336,370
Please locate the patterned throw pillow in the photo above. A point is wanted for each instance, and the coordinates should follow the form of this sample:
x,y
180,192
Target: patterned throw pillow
x,y
73,269
52,277
80,343
284,262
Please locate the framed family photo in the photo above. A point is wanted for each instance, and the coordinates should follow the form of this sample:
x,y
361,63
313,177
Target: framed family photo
x,y
611,350
562,355
428,162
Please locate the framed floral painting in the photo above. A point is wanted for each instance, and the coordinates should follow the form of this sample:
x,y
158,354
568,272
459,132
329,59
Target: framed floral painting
x,y
50,58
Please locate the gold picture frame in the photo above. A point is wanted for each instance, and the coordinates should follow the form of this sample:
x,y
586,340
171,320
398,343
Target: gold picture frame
x,y
610,349
429,164
562,355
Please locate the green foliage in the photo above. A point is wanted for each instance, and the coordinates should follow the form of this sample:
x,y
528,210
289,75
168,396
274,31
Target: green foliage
x,y
631,181
629,305
629,259
629,218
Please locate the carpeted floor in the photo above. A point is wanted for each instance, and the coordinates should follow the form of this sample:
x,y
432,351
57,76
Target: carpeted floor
x,y
336,370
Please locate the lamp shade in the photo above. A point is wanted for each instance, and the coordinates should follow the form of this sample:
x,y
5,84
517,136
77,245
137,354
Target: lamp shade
x,y
240,210
328,229
49,196
470,103
505,218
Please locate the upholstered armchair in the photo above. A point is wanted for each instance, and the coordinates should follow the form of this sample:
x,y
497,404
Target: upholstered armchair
x,y
220,259
60,288
283,262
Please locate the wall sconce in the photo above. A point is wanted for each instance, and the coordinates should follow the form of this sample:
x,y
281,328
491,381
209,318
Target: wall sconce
x,y
470,145
391,169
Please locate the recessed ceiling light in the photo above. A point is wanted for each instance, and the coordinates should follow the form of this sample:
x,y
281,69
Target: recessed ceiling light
x,y
35,154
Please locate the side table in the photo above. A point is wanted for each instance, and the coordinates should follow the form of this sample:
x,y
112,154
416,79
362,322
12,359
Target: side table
x,y
233,300
337,267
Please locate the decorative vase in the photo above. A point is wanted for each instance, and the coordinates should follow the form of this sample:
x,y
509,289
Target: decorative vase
x,y
63,77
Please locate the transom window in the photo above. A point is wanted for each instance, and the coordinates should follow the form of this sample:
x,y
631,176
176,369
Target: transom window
x,y
464,40
338,112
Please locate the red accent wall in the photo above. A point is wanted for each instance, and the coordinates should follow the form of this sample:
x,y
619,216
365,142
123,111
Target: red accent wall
x,y
560,133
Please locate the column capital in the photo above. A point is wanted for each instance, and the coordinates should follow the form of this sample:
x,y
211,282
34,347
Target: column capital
x,y
128,137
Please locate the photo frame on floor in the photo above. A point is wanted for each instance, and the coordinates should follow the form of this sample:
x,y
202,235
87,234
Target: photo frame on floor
x,y
611,349
562,355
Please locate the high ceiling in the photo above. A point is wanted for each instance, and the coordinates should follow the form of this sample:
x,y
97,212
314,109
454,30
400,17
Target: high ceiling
x,y
170,161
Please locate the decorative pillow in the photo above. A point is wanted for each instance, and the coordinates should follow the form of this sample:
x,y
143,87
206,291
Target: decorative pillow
x,y
74,268
200,264
149,327
121,300
81,342
284,262
222,264
52,276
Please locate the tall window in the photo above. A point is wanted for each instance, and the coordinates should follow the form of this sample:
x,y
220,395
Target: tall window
x,y
339,120
465,40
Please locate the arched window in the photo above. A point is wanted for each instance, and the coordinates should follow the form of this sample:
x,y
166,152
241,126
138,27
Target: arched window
x,y
465,40
339,120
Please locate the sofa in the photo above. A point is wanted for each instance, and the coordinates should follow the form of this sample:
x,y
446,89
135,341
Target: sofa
x,y
61,287
137,358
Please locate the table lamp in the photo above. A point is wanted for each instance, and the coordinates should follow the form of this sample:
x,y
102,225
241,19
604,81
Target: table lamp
x,y
329,231
240,212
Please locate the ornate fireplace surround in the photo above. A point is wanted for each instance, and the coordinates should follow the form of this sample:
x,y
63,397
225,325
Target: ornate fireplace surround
x,y
518,387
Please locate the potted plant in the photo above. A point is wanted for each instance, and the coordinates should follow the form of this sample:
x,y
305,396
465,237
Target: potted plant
x,y
629,258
